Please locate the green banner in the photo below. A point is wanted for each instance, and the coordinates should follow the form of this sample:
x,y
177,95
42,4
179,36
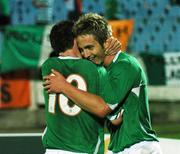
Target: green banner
x,y
172,68
162,68
21,47
154,64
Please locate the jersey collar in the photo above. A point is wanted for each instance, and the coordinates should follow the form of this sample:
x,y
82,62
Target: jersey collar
x,y
116,57
68,57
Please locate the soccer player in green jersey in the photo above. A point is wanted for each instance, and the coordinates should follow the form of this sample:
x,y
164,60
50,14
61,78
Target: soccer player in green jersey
x,y
69,128
135,134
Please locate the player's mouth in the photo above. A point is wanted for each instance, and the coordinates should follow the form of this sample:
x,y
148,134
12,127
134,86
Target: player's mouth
x,y
94,59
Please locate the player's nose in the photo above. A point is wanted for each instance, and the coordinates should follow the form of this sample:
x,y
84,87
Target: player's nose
x,y
86,54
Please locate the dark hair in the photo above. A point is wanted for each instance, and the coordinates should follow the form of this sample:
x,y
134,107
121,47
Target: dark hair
x,y
92,24
61,36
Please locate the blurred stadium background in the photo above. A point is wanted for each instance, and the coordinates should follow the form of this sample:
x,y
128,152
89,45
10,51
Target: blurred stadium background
x,y
148,29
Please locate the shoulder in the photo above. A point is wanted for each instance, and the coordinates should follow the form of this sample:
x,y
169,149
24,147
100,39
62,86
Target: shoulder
x,y
48,65
86,65
86,62
127,61
49,61
90,70
52,62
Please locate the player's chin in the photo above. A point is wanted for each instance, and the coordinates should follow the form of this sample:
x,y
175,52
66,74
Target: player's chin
x,y
98,62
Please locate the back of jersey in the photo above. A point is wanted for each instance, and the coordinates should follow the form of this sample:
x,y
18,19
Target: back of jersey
x,y
68,126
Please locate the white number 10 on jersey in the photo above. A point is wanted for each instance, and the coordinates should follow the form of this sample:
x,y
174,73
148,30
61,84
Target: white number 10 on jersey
x,y
63,100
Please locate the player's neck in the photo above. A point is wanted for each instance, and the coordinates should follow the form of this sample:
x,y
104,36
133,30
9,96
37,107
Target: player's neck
x,y
68,52
108,60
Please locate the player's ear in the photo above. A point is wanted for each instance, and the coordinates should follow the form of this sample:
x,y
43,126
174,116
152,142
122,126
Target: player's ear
x,y
76,50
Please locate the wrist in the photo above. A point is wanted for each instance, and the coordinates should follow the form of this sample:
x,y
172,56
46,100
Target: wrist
x,y
64,86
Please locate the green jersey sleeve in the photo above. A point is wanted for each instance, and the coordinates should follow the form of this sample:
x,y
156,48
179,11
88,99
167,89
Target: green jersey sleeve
x,y
122,77
106,89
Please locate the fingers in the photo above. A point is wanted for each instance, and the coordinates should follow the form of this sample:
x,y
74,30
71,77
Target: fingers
x,y
46,82
47,86
120,113
54,72
50,82
46,77
112,46
109,39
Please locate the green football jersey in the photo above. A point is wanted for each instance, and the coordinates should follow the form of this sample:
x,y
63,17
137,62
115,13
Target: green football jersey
x,y
130,85
69,127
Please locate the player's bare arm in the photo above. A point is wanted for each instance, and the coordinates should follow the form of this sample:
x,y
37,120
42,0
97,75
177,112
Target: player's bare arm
x,y
56,83
87,101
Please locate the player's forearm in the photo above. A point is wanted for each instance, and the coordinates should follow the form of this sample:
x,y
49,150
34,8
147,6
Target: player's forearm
x,y
87,101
